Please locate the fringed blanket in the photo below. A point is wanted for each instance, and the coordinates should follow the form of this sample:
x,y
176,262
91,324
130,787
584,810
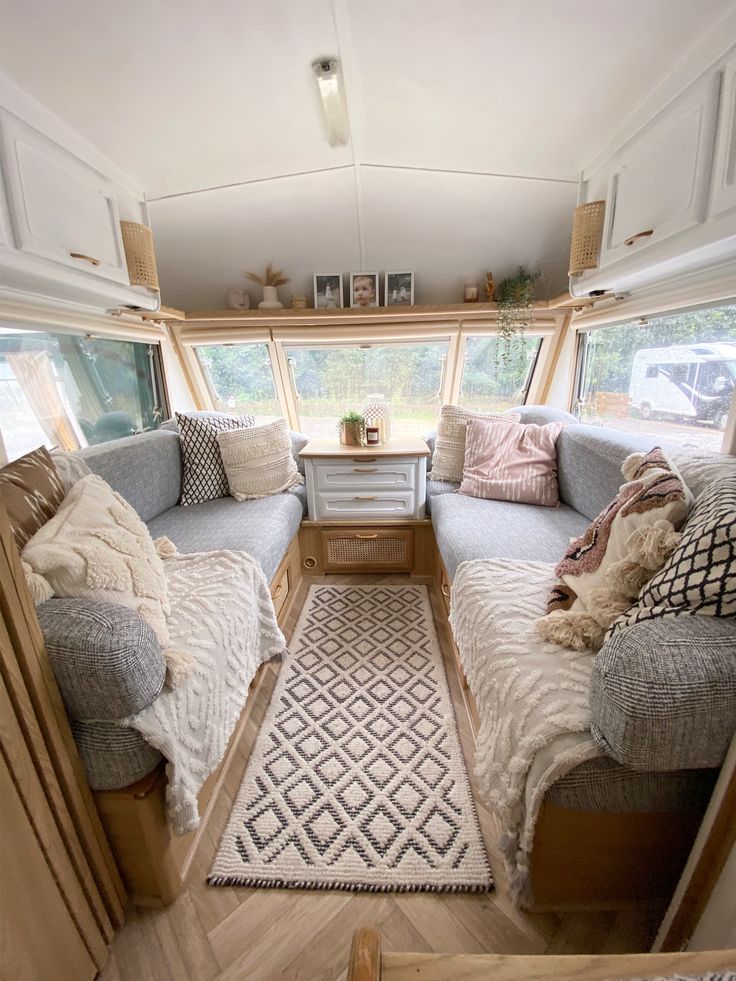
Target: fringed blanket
x,y
221,614
532,696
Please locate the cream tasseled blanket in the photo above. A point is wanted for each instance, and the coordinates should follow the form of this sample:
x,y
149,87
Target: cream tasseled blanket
x,y
221,613
532,696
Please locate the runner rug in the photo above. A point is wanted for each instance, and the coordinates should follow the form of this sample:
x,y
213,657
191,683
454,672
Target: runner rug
x,y
357,779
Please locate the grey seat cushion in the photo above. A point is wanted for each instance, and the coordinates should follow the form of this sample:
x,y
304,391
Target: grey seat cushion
x,y
106,659
262,528
589,462
145,469
112,755
437,487
603,784
663,693
471,528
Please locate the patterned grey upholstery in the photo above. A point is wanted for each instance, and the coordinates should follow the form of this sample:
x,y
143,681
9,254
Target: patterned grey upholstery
x,y
107,660
604,785
263,528
589,462
663,693
145,469
471,528
113,756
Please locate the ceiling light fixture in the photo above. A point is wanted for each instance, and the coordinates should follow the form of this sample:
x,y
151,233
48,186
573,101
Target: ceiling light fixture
x,y
332,95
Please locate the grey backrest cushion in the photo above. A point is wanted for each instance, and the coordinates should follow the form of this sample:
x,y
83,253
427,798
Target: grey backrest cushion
x,y
589,462
145,469
107,660
540,415
663,693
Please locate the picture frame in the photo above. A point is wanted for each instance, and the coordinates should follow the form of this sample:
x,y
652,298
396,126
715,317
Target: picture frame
x,y
328,291
399,289
367,287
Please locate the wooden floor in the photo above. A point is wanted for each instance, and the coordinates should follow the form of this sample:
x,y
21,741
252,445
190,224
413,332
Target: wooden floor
x,y
233,933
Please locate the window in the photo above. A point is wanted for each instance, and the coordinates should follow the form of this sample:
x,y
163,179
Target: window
x,y
331,380
240,378
492,384
68,391
672,378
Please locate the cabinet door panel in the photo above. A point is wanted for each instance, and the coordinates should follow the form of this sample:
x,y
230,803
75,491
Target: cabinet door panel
x,y
62,209
724,180
659,181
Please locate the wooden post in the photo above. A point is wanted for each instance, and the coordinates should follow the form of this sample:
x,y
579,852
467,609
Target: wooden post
x,y
365,955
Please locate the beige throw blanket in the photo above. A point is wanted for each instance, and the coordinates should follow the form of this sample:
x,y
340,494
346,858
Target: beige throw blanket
x,y
532,696
222,614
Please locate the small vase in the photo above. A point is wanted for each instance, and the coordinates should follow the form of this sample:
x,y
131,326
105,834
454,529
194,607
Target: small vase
x,y
270,299
351,434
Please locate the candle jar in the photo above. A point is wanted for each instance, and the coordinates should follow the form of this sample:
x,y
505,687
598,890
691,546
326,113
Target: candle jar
x,y
372,435
471,293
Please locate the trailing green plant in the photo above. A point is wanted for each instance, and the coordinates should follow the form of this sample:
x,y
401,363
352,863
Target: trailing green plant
x,y
515,298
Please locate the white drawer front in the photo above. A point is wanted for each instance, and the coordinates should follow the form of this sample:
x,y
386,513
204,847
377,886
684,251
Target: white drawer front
x,y
387,504
365,476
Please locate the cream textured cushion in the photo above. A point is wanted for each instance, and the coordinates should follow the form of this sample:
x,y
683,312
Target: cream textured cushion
x,y
449,449
258,460
96,547
602,571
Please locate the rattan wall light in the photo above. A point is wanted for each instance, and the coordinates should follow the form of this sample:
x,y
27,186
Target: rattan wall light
x,y
587,234
139,254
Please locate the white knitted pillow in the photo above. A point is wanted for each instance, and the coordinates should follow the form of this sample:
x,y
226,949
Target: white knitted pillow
x,y
449,449
96,547
258,460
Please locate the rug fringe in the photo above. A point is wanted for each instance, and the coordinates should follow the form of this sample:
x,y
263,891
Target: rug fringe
x,y
255,882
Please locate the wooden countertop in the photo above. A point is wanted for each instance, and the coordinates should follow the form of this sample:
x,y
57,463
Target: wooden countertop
x,y
400,446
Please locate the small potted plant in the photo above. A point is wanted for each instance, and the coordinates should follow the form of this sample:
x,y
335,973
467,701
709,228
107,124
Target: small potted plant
x,y
352,429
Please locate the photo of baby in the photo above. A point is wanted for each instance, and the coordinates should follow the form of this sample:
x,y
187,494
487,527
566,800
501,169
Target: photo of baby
x,y
327,290
399,289
364,289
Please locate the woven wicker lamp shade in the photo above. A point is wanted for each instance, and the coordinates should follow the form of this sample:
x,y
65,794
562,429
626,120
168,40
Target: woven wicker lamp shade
x,y
139,254
587,233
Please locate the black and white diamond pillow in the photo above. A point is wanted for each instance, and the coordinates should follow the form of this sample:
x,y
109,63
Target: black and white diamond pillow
x,y
700,575
204,476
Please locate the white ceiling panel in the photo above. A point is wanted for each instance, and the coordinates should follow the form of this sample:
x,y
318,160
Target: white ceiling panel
x,y
205,241
180,95
529,87
453,227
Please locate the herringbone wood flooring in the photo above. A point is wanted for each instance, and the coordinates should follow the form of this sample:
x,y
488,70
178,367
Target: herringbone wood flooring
x,y
257,934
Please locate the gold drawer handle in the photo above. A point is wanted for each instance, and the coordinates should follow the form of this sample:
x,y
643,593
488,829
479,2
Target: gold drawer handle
x,y
445,590
277,591
365,498
365,469
87,258
646,234
367,538
364,459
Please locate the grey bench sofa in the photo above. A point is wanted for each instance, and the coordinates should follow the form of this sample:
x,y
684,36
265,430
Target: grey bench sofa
x,y
120,656
667,797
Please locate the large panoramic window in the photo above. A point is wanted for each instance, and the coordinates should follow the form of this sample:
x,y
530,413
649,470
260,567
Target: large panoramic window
x,y
240,379
331,380
671,378
68,391
494,380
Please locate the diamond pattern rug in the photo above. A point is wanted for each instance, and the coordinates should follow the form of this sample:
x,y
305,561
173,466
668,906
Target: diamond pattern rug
x,y
357,779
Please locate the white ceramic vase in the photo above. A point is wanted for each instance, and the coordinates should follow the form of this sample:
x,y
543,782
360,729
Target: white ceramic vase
x,y
270,299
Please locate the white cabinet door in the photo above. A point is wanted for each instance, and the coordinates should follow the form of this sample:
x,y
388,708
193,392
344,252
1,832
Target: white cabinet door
x,y
62,209
724,176
658,185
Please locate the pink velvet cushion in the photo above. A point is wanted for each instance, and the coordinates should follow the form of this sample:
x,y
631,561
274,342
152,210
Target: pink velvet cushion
x,y
508,461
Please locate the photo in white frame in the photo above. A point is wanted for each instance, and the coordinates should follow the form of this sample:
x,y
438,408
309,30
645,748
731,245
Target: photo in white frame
x,y
327,291
364,289
399,289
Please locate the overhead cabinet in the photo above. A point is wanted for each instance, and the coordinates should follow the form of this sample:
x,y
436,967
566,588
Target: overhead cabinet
x,y
63,237
669,190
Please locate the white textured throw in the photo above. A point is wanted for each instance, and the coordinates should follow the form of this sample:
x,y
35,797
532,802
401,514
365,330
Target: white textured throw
x,y
529,693
223,615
